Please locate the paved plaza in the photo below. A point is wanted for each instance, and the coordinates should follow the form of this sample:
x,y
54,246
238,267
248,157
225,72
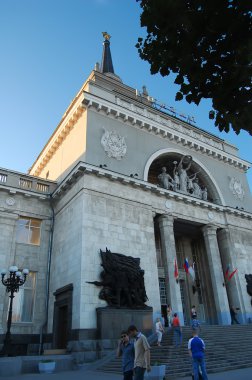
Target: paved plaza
x,y
240,374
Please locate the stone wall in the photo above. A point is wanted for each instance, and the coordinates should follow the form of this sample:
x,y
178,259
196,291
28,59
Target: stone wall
x,y
22,255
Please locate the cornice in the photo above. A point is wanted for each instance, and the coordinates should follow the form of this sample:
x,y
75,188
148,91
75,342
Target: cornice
x,y
27,193
180,133
86,169
67,125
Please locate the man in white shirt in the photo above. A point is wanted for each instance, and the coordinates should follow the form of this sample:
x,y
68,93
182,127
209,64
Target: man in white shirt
x,y
196,347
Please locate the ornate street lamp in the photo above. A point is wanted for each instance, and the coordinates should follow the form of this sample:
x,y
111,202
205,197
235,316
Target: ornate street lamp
x,y
12,283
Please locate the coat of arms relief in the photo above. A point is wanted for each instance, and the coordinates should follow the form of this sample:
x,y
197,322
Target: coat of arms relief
x,y
114,144
236,188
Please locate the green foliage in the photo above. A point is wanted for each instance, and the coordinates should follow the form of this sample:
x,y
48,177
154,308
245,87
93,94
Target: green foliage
x,y
208,45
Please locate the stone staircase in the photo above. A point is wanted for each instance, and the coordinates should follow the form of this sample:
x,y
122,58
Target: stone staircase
x,y
227,348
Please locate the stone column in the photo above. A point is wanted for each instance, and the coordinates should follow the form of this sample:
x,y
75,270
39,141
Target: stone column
x,y
216,274
228,255
169,255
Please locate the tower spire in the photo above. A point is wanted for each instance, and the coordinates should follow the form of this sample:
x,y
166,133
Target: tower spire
x,y
106,64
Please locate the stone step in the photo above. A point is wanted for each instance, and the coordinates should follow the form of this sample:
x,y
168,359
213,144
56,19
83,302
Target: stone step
x,y
55,351
228,347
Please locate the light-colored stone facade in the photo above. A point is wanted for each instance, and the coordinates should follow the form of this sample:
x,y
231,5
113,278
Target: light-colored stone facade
x,y
102,157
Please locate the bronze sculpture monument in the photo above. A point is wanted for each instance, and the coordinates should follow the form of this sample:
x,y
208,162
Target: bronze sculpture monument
x,y
122,281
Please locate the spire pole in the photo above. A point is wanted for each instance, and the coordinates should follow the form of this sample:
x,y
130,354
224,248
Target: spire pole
x,y
106,64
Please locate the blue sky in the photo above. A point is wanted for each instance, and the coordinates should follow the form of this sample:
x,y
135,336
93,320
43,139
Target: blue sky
x,y
48,49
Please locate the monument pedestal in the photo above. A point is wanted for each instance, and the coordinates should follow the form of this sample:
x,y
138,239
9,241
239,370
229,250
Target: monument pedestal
x,y
112,321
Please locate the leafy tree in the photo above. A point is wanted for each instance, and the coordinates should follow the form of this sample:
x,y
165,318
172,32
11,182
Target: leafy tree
x,y
208,45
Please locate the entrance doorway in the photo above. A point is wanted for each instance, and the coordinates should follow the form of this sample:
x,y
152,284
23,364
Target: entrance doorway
x,y
195,290
62,321
62,327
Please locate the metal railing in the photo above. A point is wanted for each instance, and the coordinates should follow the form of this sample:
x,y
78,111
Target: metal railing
x,y
17,180
42,187
25,183
3,178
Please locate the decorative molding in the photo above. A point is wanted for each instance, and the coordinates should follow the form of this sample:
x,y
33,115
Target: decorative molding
x,y
10,201
26,193
210,215
168,205
114,144
184,134
57,139
83,168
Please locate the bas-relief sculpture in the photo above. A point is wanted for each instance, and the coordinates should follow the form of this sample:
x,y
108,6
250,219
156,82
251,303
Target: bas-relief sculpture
x,y
122,281
181,181
114,144
236,188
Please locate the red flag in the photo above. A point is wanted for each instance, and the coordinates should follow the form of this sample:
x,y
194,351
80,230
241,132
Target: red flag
x,y
227,271
231,275
176,274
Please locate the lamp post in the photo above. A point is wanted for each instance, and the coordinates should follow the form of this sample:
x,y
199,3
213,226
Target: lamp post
x,y
12,284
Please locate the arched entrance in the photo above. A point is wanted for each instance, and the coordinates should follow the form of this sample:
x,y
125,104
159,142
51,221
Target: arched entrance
x,y
185,238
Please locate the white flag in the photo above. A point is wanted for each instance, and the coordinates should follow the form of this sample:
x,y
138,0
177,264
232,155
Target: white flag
x,y
192,272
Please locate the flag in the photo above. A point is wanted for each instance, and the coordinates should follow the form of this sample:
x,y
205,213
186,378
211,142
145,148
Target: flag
x,y
186,266
231,275
176,274
192,272
227,271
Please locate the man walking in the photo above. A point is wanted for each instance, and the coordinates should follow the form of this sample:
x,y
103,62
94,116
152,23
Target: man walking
x,y
126,350
196,347
177,330
142,353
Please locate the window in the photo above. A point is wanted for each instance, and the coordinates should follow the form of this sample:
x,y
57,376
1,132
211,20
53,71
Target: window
x,y
28,231
23,301
162,291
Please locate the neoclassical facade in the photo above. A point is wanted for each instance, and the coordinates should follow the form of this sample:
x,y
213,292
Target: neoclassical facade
x,y
120,173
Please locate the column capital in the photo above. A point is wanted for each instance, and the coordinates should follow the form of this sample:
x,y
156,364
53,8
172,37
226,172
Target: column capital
x,y
209,229
166,220
224,232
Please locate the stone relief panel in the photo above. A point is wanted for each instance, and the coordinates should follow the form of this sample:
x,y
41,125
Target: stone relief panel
x,y
236,188
10,201
114,144
181,181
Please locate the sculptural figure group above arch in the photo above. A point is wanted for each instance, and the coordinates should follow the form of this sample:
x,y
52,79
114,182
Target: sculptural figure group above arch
x,y
181,181
200,182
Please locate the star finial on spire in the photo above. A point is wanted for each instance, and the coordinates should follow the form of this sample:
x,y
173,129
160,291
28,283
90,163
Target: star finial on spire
x,y
106,36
